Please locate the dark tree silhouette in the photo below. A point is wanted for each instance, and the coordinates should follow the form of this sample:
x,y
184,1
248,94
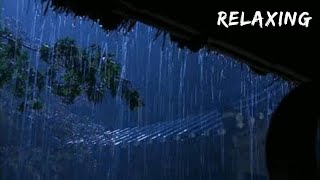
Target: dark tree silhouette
x,y
69,72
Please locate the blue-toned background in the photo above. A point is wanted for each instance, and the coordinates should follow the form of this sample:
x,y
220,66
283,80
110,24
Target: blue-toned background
x,y
205,115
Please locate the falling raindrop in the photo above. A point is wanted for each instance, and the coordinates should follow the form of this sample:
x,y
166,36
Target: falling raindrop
x,y
180,132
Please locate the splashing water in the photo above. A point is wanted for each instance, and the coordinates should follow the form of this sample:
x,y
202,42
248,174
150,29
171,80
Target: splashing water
x,y
204,115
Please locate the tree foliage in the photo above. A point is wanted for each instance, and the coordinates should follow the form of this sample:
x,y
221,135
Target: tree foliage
x,y
68,72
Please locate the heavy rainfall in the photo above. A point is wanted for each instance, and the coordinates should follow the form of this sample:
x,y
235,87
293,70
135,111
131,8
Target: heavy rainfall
x,y
78,102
